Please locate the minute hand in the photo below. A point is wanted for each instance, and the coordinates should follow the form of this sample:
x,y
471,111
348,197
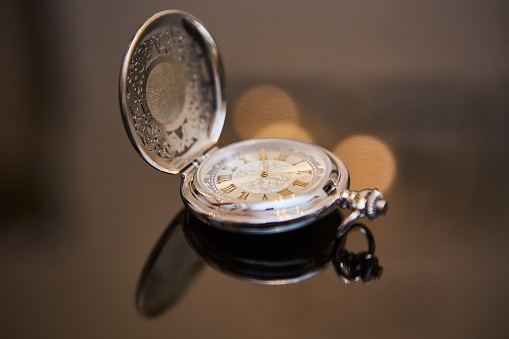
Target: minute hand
x,y
291,172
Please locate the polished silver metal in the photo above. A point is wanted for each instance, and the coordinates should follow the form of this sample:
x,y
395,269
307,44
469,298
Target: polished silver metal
x,y
367,202
172,91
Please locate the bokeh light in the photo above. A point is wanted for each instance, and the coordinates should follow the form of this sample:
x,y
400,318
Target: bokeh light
x,y
370,161
286,130
261,109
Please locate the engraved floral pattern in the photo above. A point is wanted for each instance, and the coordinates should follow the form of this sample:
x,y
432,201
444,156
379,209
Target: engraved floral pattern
x,y
164,140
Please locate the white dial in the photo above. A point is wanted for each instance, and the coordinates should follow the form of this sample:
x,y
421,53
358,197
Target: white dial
x,y
263,170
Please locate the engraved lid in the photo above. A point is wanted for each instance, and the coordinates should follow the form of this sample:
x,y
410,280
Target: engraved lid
x,y
172,91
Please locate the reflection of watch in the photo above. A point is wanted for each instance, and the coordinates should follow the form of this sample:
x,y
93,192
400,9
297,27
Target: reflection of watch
x,y
274,259
173,99
168,271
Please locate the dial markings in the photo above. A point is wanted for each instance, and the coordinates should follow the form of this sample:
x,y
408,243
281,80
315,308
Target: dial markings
x,y
262,173
229,168
222,178
285,192
300,183
282,157
228,189
243,195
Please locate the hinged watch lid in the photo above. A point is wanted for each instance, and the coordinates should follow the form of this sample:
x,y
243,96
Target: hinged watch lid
x,y
172,91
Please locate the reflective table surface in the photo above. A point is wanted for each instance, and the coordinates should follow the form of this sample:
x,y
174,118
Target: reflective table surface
x,y
412,97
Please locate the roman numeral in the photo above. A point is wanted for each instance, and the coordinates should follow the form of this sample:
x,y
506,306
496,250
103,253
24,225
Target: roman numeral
x,y
285,192
243,195
229,189
283,157
223,178
229,169
304,172
243,158
265,197
300,183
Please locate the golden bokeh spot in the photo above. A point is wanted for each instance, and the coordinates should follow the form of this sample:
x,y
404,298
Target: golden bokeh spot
x,y
260,106
286,130
370,161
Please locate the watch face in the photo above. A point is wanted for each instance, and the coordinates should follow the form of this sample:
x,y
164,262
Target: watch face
x,y
264,186
264,171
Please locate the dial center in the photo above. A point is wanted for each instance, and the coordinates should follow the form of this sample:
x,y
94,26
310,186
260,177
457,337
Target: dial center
x,y
253,178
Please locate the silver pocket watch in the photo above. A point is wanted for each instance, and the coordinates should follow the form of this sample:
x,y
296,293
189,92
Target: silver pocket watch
x,y
173,101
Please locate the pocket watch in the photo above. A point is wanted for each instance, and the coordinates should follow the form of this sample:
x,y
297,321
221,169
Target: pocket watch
x,y
173,103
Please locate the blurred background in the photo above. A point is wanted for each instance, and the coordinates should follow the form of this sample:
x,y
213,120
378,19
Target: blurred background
x,y
412,95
